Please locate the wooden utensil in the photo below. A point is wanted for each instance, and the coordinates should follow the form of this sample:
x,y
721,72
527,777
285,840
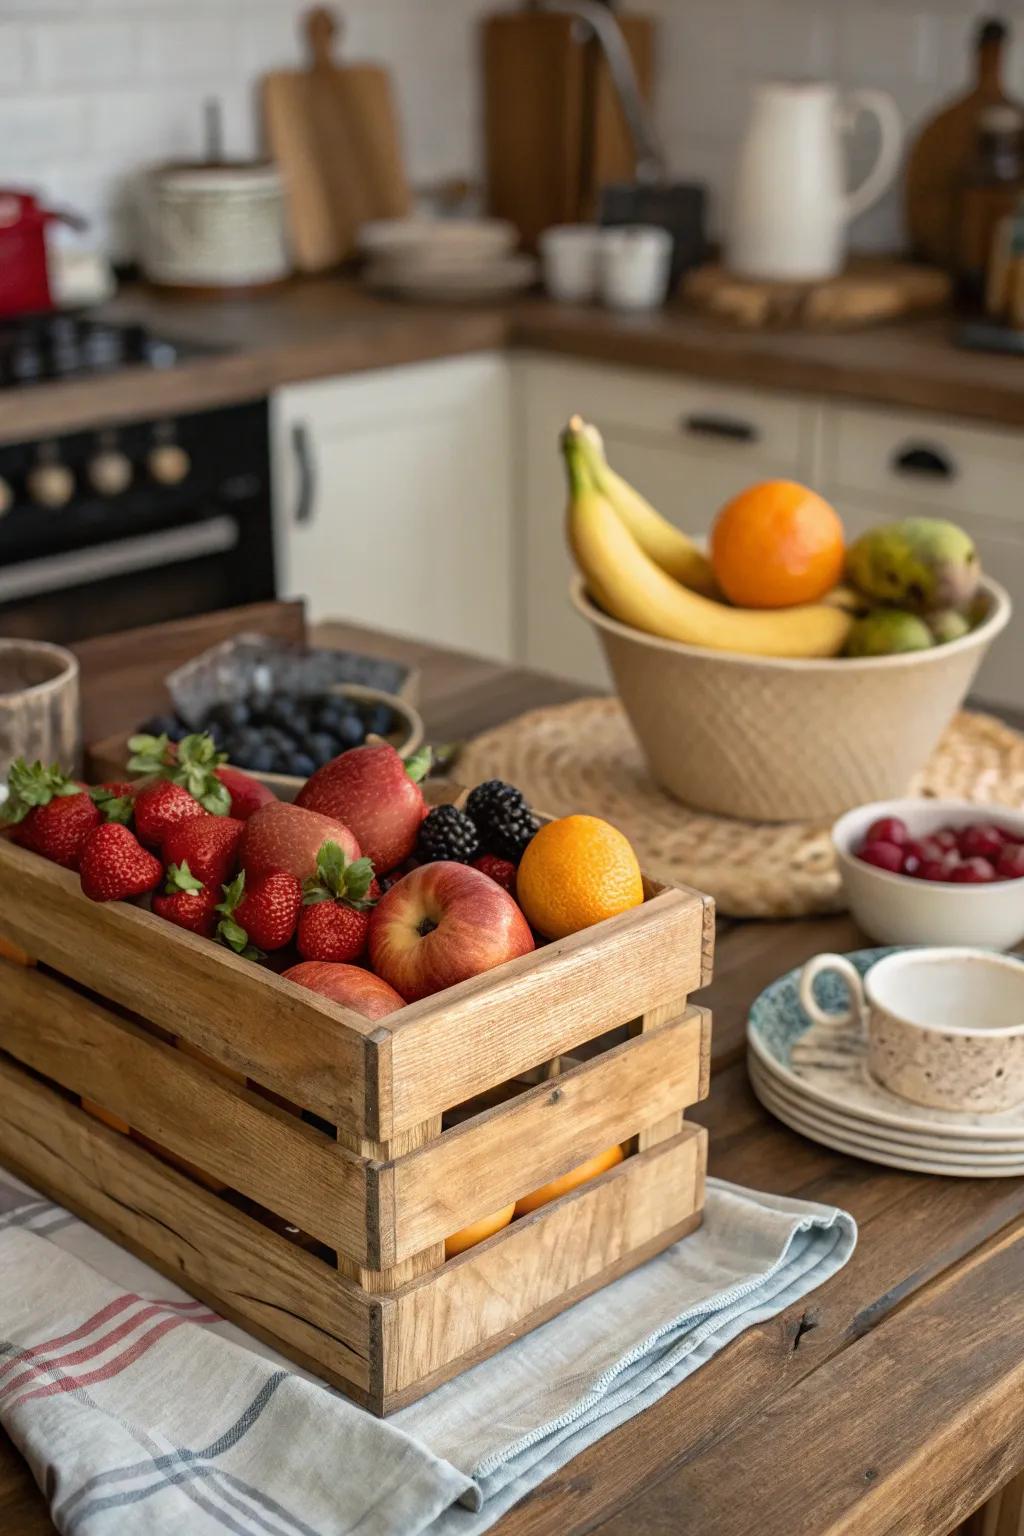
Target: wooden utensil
x,y
943,148
334,132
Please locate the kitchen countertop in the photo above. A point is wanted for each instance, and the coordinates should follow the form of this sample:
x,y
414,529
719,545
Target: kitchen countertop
x,y
320,327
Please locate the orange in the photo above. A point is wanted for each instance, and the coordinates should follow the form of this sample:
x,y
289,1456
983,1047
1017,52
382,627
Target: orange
x,y
588,1170
575,872
776,544
468,1237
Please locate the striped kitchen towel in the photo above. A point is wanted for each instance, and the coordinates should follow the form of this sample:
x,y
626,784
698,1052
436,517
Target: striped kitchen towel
x,y
139,1410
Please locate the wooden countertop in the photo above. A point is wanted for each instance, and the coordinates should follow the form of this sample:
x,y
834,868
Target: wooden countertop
x,y
316,328
889,1400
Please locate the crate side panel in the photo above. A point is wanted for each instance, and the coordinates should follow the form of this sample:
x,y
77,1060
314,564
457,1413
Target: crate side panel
x,y
194,1112
295,1042
244,1270
483,1031
513,1148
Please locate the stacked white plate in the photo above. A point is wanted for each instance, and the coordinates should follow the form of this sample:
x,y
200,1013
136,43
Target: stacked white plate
x,y
816,1081
449,260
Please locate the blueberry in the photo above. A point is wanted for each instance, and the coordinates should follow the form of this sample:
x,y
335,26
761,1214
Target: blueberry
x,y
216,733
321,746
158,725
379,720
351,732
178,728
330,716
301,763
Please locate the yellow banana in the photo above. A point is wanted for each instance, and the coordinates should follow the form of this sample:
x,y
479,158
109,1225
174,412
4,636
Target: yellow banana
x,y
629,586
666,544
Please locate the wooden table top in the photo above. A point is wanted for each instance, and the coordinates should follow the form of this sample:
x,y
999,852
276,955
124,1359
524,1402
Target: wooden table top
x,y
891,1400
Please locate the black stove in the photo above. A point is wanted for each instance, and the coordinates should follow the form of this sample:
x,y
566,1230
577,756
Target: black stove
x,y
40,349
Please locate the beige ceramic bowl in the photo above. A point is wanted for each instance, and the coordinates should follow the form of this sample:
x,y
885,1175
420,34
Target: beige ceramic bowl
x,y
768,739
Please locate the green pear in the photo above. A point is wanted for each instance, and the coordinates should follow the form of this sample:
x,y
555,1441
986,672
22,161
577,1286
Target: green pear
x,y
947,624
888,632
921,563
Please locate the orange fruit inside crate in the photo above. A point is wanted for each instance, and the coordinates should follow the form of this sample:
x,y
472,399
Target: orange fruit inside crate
x,y
577,871
776,544
588,1170
468,1237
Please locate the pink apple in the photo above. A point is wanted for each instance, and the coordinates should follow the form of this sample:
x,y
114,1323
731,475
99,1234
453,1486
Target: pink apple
x,y
283,837
441,924
349,985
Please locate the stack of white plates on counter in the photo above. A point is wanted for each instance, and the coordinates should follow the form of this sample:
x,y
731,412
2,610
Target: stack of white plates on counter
x,y
452,261
816,1081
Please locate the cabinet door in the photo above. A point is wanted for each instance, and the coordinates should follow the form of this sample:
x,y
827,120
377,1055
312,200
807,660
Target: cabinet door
x,y
393,500
685,445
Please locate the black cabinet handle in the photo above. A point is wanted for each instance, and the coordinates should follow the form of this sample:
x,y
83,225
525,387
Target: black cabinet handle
x,y
305,504
730,427
925,461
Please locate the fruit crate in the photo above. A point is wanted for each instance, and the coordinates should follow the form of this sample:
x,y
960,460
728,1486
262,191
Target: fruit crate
x,y
298,1167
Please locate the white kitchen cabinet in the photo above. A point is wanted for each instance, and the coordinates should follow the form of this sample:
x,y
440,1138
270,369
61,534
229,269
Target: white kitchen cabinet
x,y
688,446
393,500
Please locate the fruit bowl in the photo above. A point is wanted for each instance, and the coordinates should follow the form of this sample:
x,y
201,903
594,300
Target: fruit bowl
x,y
773,739
898,909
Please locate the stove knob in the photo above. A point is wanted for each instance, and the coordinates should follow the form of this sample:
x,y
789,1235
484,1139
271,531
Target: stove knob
x,y
6,498
168,463
51,485
110,472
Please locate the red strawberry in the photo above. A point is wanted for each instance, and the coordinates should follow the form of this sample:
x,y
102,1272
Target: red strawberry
x,y
503,871
373,791
337,903
50,813
260,914
208,844
114,864
116,801
283,837
187,902
191,762
159,807
247,794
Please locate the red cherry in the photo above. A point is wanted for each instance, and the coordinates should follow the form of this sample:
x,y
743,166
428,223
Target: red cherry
x,y
947,838
981,841
938,869
1010,865
888,829
924,849
973,872
883,856
911,863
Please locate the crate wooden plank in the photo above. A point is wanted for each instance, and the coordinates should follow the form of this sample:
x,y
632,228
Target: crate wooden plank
x,y
445,1049
491,1294
245,1271
310,1050
269,1155
508,1150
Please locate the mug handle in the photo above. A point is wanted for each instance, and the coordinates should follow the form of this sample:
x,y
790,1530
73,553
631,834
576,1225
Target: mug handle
x,y
819,966
890,124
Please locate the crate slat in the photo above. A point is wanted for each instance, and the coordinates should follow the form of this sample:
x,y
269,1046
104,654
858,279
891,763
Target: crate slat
x,y
505,1152
493,1293
243,1269
264,1153
308,1049
445,1049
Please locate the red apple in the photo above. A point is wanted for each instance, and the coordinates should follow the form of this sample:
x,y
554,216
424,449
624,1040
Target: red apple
x,y
376,793
349,985
283,837
441,924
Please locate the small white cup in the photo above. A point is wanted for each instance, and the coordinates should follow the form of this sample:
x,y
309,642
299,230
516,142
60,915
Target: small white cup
x,y
635,263
942,1027
570,259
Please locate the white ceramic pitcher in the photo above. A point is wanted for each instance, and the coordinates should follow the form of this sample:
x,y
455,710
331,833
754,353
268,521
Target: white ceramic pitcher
x,y
790,207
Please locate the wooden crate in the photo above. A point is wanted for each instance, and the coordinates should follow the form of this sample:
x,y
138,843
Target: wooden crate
x,y
323,1232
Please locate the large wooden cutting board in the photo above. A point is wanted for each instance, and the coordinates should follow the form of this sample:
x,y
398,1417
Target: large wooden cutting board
x,y
333,130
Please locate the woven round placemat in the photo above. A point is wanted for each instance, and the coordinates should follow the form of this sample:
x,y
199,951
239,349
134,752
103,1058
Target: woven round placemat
x,y
584,757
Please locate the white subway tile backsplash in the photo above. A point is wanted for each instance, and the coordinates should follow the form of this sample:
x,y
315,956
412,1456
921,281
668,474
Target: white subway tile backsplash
x,y
37,128
86,53
16,61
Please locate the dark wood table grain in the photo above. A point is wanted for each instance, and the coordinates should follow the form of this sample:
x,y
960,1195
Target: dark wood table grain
x,y
891,1400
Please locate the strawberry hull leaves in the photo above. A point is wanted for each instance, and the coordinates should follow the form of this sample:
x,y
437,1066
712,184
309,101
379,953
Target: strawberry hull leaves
x,y
339,878
30,786
191,762
48,813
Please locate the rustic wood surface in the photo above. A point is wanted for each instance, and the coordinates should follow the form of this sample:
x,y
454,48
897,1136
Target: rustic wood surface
x,y
321,327
890,1400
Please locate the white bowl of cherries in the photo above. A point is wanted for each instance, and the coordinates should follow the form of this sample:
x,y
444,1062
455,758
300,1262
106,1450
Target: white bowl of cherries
x,y
934,872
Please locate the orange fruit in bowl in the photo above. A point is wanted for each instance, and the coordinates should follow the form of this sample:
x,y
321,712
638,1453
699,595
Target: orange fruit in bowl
x,y
575,872
571,1180
468,1237
777,544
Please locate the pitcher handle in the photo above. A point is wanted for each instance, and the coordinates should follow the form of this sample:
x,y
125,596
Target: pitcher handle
x,y
850,974
890,149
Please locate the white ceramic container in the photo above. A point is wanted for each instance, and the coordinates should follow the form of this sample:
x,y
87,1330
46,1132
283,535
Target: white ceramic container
x,y
635,262
896,909
570,262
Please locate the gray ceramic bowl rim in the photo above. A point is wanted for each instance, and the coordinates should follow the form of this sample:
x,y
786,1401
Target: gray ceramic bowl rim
x,y
68,670
947,888
995,621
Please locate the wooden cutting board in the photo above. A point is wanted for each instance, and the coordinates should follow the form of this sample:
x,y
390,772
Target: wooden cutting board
x,y
943,148
333,130
869,291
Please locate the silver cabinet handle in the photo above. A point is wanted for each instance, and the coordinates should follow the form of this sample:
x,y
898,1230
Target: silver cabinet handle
x,y
305,503
731,427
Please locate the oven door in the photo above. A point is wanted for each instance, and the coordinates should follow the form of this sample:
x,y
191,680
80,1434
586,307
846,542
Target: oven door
x,y
167,574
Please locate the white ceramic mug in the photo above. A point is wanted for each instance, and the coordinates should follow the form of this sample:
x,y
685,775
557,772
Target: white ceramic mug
x,y
635,265
570,259
943,1027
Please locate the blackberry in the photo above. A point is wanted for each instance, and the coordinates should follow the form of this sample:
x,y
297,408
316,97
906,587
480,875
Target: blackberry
x,y
447,833
502,818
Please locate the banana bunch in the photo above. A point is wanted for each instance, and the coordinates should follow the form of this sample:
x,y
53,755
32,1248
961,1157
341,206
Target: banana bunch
x,y
645,572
